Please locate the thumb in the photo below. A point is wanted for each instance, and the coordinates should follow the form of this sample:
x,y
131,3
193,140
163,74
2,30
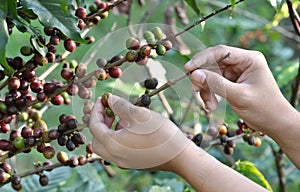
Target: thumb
x,y
127,111
215,83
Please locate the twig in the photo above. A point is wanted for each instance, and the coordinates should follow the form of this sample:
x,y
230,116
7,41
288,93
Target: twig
x,y
294,17
46,168
205,18
174,81
263,21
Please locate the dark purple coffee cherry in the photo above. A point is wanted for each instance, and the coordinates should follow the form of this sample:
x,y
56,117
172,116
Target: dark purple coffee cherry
x,y
54,40
80,12
70,145
49,31
197,139
70,45
151,83
43,180
62,140
146,100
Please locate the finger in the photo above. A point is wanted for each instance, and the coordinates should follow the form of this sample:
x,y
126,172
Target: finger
x,y
237,56
97,125
210,100
100,150
128,112
215,84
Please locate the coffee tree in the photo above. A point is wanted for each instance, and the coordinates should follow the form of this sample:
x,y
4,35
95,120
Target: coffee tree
x,y
61,65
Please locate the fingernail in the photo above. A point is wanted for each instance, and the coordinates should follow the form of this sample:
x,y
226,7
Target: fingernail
x,y
199,76
189,64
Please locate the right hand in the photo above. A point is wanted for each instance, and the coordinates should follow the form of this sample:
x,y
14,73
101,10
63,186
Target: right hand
x,y
245,81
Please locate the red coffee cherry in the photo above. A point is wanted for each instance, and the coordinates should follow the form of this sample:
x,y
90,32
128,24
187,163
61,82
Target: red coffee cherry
x,y
115,72
80,12
70,45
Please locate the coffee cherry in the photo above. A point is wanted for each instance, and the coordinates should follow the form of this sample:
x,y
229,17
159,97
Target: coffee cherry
x,y
70,45
230,133
142,60
38,133
16,180
104,15
73,161
145,50
87,107
49,152
132,43
70,145
151,83
81,70
26,132
71,124
149,37
4,128
228,150
53,134
161,50
89,148
4,144
80,12
19,142
54,40
251,140
49,31
3,176
73,89
82,160
17,63
101,74
146,100
197,139
223,138
62,140
63,118
40,124
29,75
241,124
116,58
67,73
100,4
101,62
89,83
222,129
257,142
104,99
81,24
36,87
90,39
78,138
115,72
51,48
96,20
62,157
16,187
57,100
43,180
40,60
49,88
167,44
109,112
26,50
41,96
84,93
13,83
40,148
51,57
158,33
131,56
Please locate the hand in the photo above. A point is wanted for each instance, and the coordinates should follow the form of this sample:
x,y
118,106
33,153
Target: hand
x,y
143,139
245,81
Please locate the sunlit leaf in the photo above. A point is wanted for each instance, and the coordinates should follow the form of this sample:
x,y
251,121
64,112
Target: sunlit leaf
x,y
193,5
248,169
56,13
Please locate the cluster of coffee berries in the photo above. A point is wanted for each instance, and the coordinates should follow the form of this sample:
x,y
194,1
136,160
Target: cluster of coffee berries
x,y
68,134
73,161
155,40
149,84
249,136
104,101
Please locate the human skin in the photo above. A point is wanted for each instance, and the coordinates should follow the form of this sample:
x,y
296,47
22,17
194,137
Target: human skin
x,y
244,80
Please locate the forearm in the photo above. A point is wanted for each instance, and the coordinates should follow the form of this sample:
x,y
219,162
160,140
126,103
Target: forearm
x,y
205,173
285,131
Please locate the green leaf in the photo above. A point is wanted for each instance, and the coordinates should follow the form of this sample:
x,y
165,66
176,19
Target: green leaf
x,y
248,169
56,13
232,7
287,74
193,5
4,38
